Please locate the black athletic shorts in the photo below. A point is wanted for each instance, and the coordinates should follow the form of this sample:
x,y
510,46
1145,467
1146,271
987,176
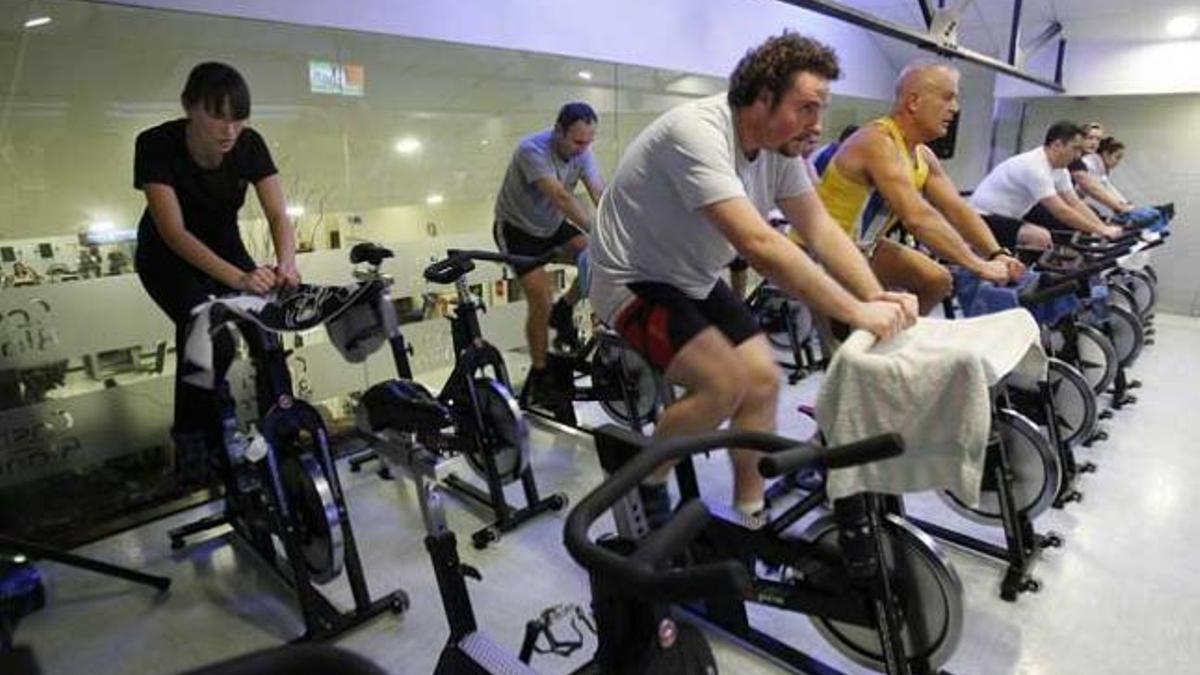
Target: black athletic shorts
x,y
1005,229
1041,215
662,320
513,240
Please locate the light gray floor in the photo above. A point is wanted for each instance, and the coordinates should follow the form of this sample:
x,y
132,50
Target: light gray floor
x,y
1122,596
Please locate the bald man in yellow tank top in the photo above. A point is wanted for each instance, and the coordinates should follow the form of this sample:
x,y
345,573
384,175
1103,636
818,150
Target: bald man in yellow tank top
x,y
884,175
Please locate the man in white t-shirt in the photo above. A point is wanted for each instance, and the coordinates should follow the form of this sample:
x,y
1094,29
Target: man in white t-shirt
x,y
688,195
1034,188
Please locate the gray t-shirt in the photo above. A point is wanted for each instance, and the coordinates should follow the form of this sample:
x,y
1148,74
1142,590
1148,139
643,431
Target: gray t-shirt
x,y
520,202
649,226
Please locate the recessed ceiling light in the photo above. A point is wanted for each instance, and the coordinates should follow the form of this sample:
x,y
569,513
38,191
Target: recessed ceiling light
x,y
1182,26
434,199
585,74
295,211
101,226
407,146
38,21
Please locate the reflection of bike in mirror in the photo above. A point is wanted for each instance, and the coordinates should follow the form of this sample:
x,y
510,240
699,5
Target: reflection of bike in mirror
x,y
627,388
474,414
789,326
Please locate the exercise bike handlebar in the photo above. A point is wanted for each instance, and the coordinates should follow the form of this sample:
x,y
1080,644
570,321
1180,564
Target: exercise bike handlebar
x,y
637,574
1067,280
461,261
874,449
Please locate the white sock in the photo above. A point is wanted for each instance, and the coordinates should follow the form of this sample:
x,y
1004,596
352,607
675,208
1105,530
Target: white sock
x,y
750,508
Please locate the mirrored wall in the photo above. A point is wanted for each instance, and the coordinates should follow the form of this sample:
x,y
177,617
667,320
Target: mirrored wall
x,y
378,138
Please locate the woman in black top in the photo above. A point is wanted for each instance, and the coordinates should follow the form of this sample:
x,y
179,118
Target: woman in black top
x,y
194,172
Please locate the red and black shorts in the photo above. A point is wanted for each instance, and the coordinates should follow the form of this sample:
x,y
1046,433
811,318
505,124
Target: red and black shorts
x,y
661,320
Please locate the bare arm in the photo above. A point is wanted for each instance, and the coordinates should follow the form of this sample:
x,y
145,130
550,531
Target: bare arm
x,y
595,188
831,244
943,194
168,220
1092,187
270,195
1060,208
885,168
565,201
779,260
773,256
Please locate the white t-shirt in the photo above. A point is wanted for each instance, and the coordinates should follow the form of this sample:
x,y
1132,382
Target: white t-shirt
x,y
649,226
1018,183
1095,166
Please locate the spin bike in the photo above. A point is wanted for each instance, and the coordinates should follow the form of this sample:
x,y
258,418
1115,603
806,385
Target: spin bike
x,y
281,483
617,377
475,414
876,588
789,326
627,388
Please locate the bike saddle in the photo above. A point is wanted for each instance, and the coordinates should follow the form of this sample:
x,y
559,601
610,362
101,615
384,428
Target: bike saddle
x,y
449,270
404,406
369,253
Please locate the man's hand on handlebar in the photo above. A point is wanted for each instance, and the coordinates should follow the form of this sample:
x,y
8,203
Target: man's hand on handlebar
x,y
994,271
883,318
1015,267
908,304
1112,231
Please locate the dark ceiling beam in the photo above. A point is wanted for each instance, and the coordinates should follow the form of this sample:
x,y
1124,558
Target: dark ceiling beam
x,y
920,39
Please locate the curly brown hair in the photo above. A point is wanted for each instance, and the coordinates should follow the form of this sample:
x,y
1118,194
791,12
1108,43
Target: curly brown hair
x,y
772,65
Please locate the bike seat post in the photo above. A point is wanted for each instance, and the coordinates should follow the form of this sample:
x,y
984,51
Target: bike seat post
x,y
466,316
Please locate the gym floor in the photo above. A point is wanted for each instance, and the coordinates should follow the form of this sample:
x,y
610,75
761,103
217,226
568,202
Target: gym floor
x,y
1120,597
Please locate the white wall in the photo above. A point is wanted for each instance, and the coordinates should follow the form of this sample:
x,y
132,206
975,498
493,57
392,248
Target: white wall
x,y
700,36
969,164
1162,143
1108,69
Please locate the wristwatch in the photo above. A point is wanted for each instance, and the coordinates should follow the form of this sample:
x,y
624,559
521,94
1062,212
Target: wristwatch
x,y
999,252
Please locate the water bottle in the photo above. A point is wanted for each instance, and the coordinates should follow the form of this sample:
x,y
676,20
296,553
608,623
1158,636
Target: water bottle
x,y
235,440
257,448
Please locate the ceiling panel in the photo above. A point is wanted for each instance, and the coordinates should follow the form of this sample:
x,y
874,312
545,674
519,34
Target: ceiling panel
x,y
1086,20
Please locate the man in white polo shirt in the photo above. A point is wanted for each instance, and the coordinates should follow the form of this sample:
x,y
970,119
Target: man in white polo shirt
x,y
1011,192
690,193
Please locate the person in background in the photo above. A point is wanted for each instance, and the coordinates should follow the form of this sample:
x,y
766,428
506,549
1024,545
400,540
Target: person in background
x,y
536,212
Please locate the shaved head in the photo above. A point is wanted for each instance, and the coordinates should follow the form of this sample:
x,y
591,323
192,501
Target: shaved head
x,y
923,75
926,99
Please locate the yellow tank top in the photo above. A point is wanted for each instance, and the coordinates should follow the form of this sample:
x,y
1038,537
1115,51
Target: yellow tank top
x,y
860,209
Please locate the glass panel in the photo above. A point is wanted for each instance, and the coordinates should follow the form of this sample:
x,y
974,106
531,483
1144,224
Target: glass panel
x,y
377,138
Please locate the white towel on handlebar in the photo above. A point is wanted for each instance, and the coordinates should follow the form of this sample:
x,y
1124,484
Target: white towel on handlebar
x,y
1137,258
198,351
931,385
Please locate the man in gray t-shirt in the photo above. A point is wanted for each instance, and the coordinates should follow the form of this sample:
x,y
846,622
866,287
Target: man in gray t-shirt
x,y
536,212
690,193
